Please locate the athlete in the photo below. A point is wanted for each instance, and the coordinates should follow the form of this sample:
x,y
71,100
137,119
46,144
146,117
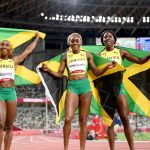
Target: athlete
x,y
113,85
78,89
7,88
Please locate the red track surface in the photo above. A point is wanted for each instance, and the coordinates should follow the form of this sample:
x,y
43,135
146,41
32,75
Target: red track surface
x,y
43,142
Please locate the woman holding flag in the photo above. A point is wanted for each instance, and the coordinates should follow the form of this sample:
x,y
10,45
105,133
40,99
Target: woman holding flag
x,y
8,99
113,85
78,89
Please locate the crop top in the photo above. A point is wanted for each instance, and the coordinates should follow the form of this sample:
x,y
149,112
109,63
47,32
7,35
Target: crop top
x,y
77,63
7,70
113,55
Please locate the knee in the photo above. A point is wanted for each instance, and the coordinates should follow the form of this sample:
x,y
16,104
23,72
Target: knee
x,y
8,126
68,120
110,128
83,121
125,121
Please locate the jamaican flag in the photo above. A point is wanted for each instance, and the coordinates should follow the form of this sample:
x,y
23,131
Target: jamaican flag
x,y
19,40
136,81
55,88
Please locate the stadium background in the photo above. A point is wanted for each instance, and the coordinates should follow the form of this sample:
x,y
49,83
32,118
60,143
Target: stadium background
x,y
130,20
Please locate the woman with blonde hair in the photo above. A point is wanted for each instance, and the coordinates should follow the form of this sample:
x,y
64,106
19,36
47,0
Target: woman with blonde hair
x,y
78,88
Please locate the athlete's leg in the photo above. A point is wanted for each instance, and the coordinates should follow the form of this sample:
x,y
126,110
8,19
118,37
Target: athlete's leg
x,y
10,117
111,136
2,120
71,104
84,106
123,111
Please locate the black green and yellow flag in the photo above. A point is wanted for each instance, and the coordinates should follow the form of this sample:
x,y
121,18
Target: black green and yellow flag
x,y
57,87
20,39
136,81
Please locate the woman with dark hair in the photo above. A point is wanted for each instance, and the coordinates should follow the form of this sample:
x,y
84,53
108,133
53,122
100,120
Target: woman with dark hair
x,y
78,88
113,84
8,99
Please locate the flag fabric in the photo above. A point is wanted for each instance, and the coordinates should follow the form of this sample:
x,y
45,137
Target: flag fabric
x,y
19,40
136,77
136,81
53,86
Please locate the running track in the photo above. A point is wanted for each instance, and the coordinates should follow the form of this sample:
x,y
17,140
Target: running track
x,y
43,142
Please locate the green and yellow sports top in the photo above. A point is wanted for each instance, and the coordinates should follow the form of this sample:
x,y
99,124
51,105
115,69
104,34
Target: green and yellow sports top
x,y
113,55
7,70
77,63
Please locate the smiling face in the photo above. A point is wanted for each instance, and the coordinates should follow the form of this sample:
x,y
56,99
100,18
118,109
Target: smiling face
x,y
108,39
75,41
5,48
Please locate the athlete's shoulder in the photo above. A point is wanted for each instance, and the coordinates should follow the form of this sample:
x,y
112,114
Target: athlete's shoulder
x,y
64,56
122,50
83,51
116,49
64,53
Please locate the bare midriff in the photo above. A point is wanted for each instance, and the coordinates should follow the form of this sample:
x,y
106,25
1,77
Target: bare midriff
x,y
77,77
6,84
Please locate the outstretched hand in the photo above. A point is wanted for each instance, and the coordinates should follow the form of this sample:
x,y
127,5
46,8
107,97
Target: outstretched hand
x,y
45,68
37,34
111,65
